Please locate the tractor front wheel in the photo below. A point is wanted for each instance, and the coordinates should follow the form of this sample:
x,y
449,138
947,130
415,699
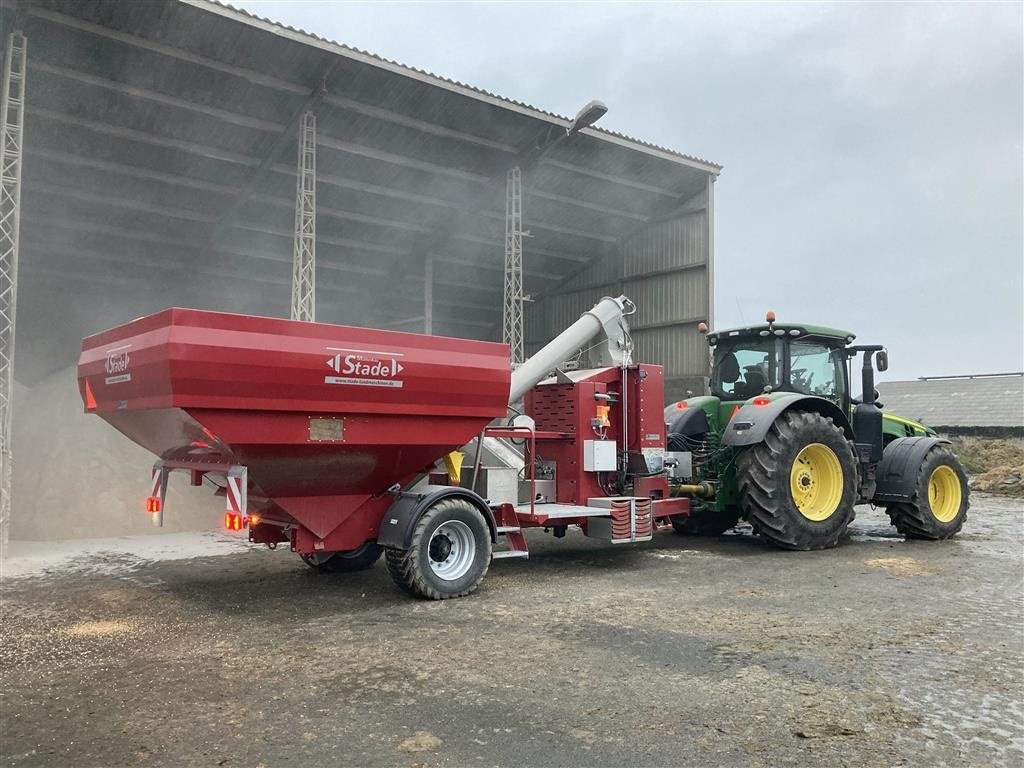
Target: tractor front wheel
x,y
798,487
940,499
449,553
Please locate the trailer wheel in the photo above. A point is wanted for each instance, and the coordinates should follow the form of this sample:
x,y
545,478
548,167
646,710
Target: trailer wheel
x,y
706,522
357,559
449,553
798,487
940,502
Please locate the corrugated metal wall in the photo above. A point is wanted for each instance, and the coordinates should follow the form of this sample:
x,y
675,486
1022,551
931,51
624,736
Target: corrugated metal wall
x,y
665,270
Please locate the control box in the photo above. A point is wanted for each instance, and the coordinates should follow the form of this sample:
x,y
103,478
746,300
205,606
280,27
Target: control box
x,y
599,456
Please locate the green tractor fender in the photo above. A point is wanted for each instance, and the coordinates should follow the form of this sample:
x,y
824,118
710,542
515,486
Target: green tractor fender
x,y
897,472
750,424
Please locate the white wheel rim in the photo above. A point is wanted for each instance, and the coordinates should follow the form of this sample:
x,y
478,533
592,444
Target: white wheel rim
x,y
451,550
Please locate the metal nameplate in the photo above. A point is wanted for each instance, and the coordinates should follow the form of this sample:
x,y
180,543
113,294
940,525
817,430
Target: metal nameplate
x,y
326,430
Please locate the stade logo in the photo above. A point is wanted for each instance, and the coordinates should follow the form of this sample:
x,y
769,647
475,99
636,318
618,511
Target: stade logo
x,y
366,369
117,362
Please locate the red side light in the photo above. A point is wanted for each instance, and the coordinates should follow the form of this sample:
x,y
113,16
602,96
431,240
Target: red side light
x,y
153,504
90,401
761,401
681,406
234,521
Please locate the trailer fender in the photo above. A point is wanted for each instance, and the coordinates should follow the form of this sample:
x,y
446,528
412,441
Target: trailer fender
x,y
896,475
399,521
750,424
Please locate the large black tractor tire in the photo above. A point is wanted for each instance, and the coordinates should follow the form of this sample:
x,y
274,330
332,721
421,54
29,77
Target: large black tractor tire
x,y
449,553
940,502
798,487
705,522
358,559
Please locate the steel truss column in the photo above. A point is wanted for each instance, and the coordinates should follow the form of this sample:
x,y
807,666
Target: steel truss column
x,y
12,123
428,297
304,257
512,314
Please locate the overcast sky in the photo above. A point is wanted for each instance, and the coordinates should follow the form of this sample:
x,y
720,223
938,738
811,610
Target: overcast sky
x,y
872,152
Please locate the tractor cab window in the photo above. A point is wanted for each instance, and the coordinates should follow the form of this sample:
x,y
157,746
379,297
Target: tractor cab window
x,y
815,369
746,369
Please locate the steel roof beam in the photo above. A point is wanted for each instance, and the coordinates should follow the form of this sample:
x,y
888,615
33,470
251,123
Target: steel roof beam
x,y
368,110
133,171
232,118
221,189
267,81
131,134
161,265
250,162
609,177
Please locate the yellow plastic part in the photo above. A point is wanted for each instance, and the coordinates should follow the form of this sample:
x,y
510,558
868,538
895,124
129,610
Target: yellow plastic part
x,y
944,493
453,463
816,482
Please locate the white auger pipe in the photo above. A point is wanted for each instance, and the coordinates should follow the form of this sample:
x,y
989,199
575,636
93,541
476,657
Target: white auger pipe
x,y
604,316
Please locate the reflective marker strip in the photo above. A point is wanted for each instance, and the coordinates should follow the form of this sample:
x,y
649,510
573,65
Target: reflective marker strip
x,y
236,494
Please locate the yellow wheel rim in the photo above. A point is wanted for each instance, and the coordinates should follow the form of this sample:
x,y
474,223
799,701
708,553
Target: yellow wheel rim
x,y
944,493
816,482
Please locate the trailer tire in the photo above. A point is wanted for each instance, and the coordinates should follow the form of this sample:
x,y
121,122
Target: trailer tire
x,y
798,486
448,555
705,522
348,561
940,501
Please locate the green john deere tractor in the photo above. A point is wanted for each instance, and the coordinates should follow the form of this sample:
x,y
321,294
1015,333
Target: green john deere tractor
x,y
781,442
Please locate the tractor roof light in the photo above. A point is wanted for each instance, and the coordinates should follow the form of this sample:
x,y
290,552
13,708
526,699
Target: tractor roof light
x,y
702,327
769,317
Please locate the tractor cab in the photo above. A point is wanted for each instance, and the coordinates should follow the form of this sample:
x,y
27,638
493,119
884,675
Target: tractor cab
x,y
771,359
762,359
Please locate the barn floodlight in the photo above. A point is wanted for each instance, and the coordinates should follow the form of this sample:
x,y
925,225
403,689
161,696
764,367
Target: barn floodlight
x,y
586,117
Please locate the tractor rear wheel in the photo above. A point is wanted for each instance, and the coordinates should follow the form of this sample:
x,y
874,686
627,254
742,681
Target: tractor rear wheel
x,y
940,500
705,522
357,559
449,553
798,487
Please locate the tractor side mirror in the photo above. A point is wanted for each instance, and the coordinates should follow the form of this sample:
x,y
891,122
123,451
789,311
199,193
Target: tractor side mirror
x,y
882,360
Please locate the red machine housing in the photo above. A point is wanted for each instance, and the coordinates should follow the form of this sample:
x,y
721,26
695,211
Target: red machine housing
x,y
564,411
324,418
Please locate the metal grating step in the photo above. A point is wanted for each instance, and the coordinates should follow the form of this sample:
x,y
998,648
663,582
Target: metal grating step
x,y
509,553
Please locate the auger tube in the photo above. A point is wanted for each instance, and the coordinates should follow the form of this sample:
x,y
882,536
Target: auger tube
x,y
604,316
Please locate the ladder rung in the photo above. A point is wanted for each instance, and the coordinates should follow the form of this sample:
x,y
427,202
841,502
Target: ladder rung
x,y
510,553
508,529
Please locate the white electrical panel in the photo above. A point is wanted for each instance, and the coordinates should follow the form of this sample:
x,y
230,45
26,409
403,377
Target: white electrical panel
x,y
599,456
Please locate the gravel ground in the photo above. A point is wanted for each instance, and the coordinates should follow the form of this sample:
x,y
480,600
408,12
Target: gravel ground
x,y
705,652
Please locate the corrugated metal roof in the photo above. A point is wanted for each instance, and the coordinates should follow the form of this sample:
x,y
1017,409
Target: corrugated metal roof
x,y
440,79
989,401
159,169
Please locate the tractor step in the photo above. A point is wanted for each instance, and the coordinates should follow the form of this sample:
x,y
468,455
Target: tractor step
x,y
510,553
508,529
